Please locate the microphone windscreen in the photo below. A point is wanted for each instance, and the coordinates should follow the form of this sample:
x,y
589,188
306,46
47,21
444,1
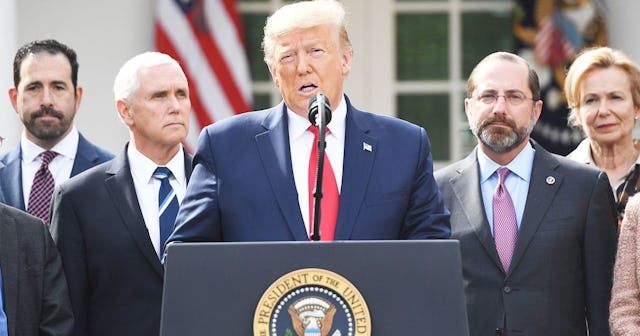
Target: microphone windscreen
x,y
314,103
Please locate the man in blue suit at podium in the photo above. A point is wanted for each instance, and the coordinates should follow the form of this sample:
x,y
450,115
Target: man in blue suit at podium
x,y
253,172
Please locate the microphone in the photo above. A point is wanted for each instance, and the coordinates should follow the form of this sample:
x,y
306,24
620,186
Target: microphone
x,y
319,111
319,115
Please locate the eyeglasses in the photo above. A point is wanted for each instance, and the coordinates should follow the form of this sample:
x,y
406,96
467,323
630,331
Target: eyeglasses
x,y
511,98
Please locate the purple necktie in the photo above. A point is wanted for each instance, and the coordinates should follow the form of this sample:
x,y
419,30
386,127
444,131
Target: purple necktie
x,y
42,188
505,227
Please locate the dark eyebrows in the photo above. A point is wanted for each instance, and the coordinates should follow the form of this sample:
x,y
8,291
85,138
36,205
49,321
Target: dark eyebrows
x,y
59,82
494,91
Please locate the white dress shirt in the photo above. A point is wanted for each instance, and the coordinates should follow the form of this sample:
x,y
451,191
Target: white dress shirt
x,y
147,187
300,142
60,167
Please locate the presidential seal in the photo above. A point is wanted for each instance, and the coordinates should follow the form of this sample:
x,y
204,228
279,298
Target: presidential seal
x,y
312,302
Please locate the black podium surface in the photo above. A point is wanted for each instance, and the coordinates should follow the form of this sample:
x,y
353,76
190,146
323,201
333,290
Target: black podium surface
x,y
410,287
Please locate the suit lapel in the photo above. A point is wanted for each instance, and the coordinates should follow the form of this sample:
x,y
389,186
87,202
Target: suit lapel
x,y
119,183
275,153
12,179
539,198
9,267
86,157
466,187
356,169
188,162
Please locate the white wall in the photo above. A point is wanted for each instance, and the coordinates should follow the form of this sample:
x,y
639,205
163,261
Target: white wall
x,y
624,26
9,129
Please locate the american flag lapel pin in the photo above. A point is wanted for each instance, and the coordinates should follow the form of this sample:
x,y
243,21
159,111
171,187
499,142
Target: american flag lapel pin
x,y
367,147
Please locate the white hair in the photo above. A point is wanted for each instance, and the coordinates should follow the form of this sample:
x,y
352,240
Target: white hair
x,y
301,15
126,82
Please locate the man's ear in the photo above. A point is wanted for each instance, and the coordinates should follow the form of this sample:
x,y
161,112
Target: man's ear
x,y
78,97
346,63
13,97
124,111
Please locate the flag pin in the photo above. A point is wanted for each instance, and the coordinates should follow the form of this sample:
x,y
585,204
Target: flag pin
x,y
367,147
551,180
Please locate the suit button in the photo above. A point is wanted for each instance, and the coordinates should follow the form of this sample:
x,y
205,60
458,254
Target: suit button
x,y
498,332
507,289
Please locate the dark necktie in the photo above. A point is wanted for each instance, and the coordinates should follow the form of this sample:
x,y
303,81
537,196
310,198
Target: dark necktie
x,y
505,227
167,205
42,188
330,195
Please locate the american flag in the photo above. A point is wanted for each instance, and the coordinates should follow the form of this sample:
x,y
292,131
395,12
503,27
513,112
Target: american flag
x,y
557,41
206,37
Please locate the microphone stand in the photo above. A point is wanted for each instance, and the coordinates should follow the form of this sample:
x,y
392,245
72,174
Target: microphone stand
x,y
317,192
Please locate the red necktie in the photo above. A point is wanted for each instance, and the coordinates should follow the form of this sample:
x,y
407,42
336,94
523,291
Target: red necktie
x,y
505,227
330,196
42,188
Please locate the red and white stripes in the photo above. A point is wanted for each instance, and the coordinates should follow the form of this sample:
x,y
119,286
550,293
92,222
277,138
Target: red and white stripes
x,y
206,37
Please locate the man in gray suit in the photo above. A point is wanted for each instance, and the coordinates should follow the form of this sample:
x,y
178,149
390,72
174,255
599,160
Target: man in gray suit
x,y
34,299
537,231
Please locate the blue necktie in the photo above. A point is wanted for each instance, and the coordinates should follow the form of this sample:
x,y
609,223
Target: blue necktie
x,y
167,205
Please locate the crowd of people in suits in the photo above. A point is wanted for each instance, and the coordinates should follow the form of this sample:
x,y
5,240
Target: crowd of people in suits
x,y
83,232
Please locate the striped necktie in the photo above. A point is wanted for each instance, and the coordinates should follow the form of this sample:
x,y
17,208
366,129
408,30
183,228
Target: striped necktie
x,y
167,205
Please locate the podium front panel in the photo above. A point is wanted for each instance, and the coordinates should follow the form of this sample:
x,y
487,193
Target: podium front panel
x,y
410,287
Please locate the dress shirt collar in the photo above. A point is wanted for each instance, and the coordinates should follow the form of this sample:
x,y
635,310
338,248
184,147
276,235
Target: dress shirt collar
x,y
582,153
298,125
521,165
67,147
142,167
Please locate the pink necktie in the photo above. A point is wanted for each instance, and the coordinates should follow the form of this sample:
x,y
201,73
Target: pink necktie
x,y
42,188
330,196
505,227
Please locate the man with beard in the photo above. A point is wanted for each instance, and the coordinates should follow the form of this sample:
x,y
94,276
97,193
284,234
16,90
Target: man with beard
x,y
537,231
46,97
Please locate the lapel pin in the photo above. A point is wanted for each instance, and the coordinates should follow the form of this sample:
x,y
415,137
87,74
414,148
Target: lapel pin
x,y
551,180
367,147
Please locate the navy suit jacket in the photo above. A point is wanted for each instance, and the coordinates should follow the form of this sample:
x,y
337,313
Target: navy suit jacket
x,y
115,276
87,156
559,280
243,189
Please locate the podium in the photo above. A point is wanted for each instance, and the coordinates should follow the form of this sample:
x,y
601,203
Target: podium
x,y
379,287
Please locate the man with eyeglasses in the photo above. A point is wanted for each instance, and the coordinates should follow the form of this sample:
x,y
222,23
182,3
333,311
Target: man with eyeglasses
x,y
537,231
